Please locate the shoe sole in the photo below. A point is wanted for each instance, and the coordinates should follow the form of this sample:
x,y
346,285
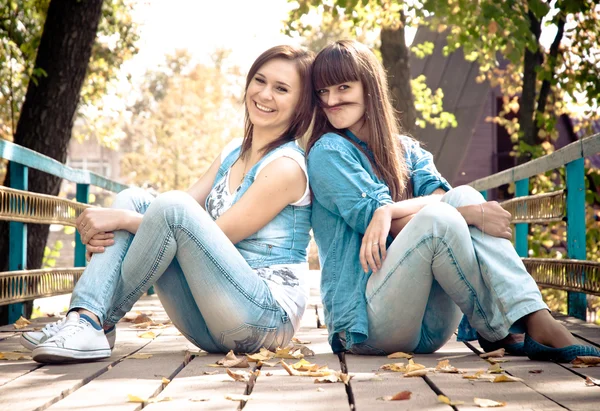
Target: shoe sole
x,y
27,343
55,355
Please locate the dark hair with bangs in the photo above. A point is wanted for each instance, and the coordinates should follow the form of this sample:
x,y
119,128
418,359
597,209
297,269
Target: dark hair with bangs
x,y
348,60
303,113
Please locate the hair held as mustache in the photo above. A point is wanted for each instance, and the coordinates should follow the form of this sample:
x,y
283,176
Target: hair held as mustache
x,y
324,105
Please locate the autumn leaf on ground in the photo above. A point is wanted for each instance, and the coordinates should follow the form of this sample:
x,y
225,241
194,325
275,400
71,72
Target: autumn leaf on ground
x,y
289,352
266,364
142,318
400,355
321,372
416,373
144,326
210,372
497,354
495,369
587,360
590,382
237,397
327,379
299,341
507,378
14,356
413,366
136,399
445,367
536,371
148,334
345,378
400,396
448,401
21,323
238,375
304,365
139,356
396,367
262,355
165,381
485,403
231,361
474,376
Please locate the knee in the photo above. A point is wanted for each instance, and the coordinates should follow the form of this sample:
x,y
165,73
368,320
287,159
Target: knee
x,y
173,200
441,216
131,196
462,196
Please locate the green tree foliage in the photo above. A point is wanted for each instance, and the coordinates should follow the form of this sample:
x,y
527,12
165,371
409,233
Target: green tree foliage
x,y
187,113
21,25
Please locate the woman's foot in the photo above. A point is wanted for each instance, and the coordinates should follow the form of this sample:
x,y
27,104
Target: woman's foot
x,y
545,330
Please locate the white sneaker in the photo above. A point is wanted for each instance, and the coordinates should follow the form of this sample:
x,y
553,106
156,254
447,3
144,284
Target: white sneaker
x,y
32,339
77,340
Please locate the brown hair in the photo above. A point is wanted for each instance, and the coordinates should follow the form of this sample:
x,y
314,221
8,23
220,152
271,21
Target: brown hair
x,y
303,113
345,61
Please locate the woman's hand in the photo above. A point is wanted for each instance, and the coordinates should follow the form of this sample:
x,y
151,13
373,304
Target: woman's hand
x,y
373,251
98,243
494,220
96,220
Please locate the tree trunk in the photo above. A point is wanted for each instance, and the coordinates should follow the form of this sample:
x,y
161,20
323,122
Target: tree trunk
x,y
395,57
531,61
47,115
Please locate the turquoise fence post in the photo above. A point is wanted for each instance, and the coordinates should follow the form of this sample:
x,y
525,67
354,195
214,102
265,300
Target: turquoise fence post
x,y
82,196
576,302
522,229
17,243
484,193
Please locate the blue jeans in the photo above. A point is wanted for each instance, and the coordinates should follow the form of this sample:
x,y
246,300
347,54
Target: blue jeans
x,y
438,267
207,288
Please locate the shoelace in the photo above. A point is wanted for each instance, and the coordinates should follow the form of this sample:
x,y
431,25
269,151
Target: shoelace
x,y
51,329
70,329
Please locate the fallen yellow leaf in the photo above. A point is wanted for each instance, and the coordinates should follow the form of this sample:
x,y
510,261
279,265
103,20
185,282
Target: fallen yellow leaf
x,y
447,401
237,397
445,367
298,341
412,366
139,356
485,403
165,380
134,398
238,376
396,367
400,396
416,373
231,361
327,379
21,323
507,378
498,353
262,355
148,334
400,354
304,365
495,369
13,356
474,376
587,360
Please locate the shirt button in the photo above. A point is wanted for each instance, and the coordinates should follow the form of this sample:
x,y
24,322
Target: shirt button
x,y
364,195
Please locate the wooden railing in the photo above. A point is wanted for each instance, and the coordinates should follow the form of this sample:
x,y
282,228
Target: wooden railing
x,y
577,276
20,207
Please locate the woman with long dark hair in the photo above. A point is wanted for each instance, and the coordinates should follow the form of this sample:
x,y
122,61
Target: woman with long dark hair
x,y
403,255
227,257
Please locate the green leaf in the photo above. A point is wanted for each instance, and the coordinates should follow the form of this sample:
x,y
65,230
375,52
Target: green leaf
x,y
538,8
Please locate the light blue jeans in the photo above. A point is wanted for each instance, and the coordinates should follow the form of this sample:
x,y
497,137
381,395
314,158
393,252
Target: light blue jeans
x,y
438,267
207,288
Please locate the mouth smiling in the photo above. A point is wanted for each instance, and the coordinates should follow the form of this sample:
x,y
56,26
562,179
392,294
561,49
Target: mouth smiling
x,y
262,108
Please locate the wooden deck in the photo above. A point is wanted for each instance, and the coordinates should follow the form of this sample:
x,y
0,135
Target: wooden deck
x,y
194,384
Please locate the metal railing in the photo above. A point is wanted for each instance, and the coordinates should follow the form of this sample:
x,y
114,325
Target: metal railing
x,y
21,207
575,275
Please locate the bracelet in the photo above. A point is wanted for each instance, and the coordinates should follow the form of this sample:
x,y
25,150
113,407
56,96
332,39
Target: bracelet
x,y
482,221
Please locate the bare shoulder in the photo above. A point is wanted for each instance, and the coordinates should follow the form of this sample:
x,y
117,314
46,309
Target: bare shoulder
x,y
283,169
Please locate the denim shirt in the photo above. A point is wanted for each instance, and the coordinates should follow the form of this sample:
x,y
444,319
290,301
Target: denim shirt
x,y
284,239
346,194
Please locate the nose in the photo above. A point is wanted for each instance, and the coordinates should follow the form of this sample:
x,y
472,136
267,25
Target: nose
x,y
332,99
266,93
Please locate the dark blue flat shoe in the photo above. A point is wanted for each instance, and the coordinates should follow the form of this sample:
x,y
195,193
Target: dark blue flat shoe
x,y
540,352
511,349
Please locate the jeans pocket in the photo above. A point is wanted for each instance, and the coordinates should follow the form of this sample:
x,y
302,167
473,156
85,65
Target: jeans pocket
x,y
248,338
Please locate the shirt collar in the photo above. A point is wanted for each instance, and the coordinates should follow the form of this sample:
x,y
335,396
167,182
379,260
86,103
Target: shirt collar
x,y
352,137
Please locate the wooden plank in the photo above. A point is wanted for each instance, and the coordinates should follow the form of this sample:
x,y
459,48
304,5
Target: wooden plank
x,y
193,389
139,377
48,384
554,381
584,330
11,370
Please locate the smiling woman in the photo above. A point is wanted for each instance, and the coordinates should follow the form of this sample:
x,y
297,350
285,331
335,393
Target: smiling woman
x,y
228,257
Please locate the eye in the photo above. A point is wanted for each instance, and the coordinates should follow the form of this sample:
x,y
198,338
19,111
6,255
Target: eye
x,y
259,80
321,91
282,89
344,87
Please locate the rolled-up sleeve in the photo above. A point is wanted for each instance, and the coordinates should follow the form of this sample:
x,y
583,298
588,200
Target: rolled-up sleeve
x,y
425,177
342,185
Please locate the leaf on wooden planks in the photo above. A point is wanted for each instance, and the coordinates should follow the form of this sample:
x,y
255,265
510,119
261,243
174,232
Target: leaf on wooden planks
x,y
507,378
590,382
267,364
396,367
586,360
320,372
289,352
262,355
416,373
445,367
485,403
413,366
400,354
242,376
331,378
139,400
165,381
237,397
210,372
299,341
14,356
399,396
231,361
304,365
148,334
497,360
494,354
140,356
536,371
142,318
445,400
22,322
495,369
